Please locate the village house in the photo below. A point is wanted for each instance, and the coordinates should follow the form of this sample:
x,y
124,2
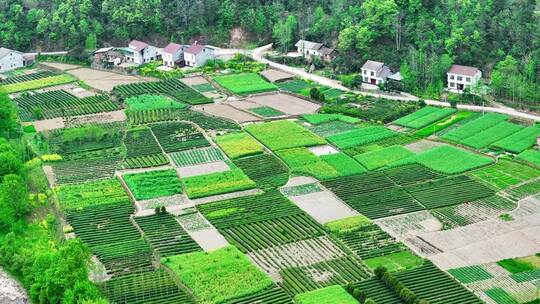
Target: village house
x,y
197,55
461,77
10,60
173,55
309,48
140,52
375,73
108,55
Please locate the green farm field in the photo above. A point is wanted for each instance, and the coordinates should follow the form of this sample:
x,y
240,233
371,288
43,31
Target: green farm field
x,y
245,84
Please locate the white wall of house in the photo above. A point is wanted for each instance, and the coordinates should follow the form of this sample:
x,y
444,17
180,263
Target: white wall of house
x,y
148,54
200,59
458,83
13,60
170,58
307,52
370,76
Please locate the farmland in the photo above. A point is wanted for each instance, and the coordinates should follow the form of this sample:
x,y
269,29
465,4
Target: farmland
x,y
37,83
178,206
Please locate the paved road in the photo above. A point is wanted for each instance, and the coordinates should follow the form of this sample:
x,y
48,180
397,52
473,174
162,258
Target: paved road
x,y
257,54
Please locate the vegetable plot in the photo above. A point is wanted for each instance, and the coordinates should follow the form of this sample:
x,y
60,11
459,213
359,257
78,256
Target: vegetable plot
x,y
283,134
424,117
170,87
217,183
360,136
153,184
37,83
178,136
245,84
238,145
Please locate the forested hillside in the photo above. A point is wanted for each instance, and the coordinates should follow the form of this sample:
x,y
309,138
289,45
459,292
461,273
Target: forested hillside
x,y
423,37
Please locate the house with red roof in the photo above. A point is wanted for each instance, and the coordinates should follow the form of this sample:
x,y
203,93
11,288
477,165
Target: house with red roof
x,y
140,52
198,54
173,54
461,77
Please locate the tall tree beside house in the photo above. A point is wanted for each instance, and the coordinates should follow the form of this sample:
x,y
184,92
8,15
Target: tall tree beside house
x,y
284,33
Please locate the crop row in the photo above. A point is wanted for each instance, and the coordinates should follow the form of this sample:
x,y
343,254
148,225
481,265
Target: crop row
x,y
410,174
145,161
196,156
27,77
165,235
37,83
424,117
61,104
177,136
266,170
217,183
85,169
272,295
141,142
370,241
171,87
153,184
124,257
360,136
102,192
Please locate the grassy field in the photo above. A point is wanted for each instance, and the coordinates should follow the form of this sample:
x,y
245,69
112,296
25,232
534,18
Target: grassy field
x,y
532,156
519,141
218,276
152,102
93,193
347,224
360,136
283,134
397,261
424,117
245,84
329,295
380,158
317,119
447,159
217,183
343,164
153,184
303,162
237,145
505,173
37,83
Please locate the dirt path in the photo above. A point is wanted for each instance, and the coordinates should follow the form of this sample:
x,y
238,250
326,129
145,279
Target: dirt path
x,y
11,291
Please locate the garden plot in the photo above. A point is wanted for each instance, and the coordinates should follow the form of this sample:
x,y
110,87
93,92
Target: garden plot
x,y
301,253
200,230
286,103
171,203
323,206
202,169
283,134
276,75
505,174
423,145
73,89
60,66
225,196
216,183
195,80
105,81
197,156
424,117
227,111
245,83
407,226
264,169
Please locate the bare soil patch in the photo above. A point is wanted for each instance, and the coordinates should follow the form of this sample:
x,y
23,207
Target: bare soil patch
x,y
286,103
200,169
227,111
209,238
105,81
60,66
275,75
11,291
423,145
323,206
323,150
195,80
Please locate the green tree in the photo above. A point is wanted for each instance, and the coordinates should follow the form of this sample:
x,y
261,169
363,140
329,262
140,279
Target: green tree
x,y
284,32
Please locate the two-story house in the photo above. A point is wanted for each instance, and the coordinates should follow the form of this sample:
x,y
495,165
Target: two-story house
x,y
173,55
197,55
374,72
10,60
461,77
140,52
310,48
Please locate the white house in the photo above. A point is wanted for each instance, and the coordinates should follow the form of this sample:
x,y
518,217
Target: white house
x,y
461,77
173,54
197,55
374,72
10,60
310,48
140,52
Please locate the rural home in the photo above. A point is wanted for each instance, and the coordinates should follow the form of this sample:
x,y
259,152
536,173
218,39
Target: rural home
x,y
197,55
10,60
108,55
173,55
140,52
374,72
309,48
461,77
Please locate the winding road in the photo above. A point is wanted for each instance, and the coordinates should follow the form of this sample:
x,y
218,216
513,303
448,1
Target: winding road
x,y
258,54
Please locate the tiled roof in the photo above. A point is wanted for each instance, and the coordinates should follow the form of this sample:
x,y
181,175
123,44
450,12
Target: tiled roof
x,y
172,48
372,65
308,45
138,45
195,49
463,70
4,52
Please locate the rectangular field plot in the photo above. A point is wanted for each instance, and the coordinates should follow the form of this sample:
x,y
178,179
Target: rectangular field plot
x,y
152,102
340,271
85,169
153,184
39,83
217,183
410,174
147,287
447,160
218,276
474,127
273,232
470,274
142,149
531,155
317,119
360,136
449,191
302,161
245,84
283,134
91,194
178,136
60,104
170,87
369,241
430,283
519,141
204,121
396,261
327,295
126,257
380,158
343,164
377,290
271,295
331,128
27,77
491,135
266,112
266,170
424,117
237,145
165,235
505,173
197,156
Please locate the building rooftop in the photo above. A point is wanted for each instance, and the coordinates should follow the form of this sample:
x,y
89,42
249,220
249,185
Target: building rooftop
x,y
5,51
308,45
138,45
373,65
463,70
195,49
172,48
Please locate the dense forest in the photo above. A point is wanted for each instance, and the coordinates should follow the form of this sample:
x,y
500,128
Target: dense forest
x,y
420,37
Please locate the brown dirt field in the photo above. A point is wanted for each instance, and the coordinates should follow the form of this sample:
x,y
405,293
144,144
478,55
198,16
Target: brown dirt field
x,y
105,81
227,111
190,81
286,103
275,75
60,66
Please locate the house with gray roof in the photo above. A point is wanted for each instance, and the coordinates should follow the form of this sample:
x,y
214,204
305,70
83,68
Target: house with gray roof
x,y
310,48
375,72
461,77
10,59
